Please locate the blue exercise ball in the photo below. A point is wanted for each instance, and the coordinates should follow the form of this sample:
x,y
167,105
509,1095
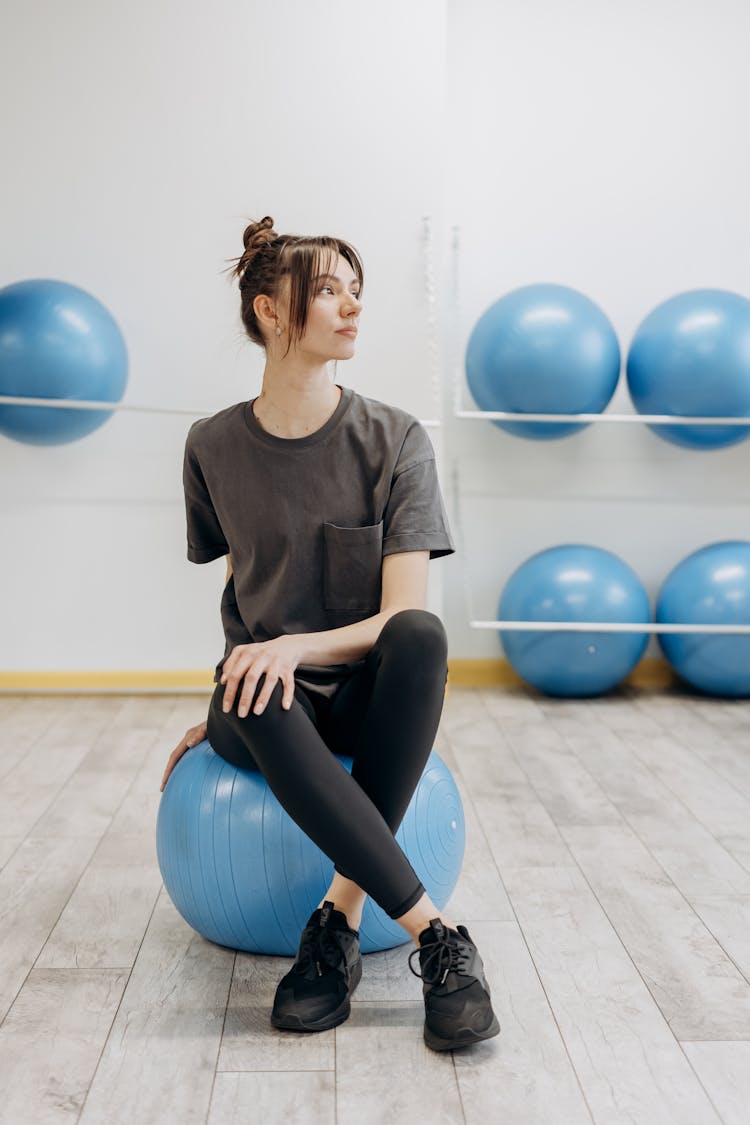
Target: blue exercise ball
x,y
543,349
242,873
691,356
57,341
573,583
709,587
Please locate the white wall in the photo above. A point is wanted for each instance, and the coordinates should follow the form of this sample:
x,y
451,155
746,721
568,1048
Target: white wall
x,y
142,138
600,146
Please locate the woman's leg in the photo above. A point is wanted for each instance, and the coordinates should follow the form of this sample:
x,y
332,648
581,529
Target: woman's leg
x,y
391,711
318,793
386,717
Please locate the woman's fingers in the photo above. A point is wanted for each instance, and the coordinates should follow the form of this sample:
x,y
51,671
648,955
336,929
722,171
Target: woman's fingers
x,y
288,697
247,664
242,672
234,679
248,691
192,738
272,676
172,761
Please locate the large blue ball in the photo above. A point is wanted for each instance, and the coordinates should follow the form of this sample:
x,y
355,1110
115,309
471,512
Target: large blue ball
x,y
57,341
243,874
543,349
709,587
691,355
574,583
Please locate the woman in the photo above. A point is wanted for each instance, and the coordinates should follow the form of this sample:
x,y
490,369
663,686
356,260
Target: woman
x,y
327,507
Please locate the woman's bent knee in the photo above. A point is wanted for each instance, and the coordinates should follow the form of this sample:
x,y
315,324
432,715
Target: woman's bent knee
x,y
226,738
236,738
419,629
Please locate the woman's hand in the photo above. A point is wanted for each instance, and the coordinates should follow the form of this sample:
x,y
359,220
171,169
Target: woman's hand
x,y
277,658
192,738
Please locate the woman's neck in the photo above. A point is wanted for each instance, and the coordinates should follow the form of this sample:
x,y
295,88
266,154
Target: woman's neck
x,y
293,412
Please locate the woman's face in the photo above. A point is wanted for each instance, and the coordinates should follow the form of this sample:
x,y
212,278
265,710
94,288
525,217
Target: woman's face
x,y
332,319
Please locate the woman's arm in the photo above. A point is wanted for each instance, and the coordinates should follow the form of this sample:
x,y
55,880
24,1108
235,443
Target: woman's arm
x,y
229,569
403,586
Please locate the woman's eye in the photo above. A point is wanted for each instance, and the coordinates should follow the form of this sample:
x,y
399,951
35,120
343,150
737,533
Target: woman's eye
x,y
329,289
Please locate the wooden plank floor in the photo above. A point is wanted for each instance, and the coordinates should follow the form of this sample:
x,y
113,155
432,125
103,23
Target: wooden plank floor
x,y
606,883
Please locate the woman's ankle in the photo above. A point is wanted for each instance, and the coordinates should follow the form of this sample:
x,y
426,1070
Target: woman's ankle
x,y
418,919
447,922
352,914
347,897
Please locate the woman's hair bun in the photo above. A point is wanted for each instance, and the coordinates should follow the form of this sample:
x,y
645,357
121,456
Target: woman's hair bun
x,y
255,237
258,234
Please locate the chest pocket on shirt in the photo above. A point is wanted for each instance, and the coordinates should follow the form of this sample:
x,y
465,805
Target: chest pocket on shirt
x,y
353,558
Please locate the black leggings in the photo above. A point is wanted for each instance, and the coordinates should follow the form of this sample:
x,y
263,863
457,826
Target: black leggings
x,y
385,717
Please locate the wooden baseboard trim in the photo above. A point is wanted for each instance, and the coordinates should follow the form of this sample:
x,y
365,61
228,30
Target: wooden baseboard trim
x,y
115,683
651,673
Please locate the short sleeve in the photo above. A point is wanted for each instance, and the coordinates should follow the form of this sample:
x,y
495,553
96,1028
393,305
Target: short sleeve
x,y
414,517
205,538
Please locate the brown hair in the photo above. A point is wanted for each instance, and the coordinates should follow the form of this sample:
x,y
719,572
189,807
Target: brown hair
x,y
270,257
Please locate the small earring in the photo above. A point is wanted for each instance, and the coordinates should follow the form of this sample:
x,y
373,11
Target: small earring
x,y
278,330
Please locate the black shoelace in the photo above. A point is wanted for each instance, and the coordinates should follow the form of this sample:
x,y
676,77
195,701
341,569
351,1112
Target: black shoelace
x,y
319,950
439,959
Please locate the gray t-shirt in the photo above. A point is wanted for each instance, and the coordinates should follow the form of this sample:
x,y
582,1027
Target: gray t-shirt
x,y
308,520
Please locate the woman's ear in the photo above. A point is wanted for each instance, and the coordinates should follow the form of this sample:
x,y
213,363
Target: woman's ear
x,y
265,311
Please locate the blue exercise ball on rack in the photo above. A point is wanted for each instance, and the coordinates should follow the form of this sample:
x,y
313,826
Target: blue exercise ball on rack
x,y
543,349
243,874
691,356
57,341
573,583
709,587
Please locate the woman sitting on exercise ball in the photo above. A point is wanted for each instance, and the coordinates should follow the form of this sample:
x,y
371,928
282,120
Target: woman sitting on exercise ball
x,y
328,508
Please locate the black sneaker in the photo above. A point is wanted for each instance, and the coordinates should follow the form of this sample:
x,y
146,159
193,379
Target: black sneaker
x,y
314,994
457,1004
